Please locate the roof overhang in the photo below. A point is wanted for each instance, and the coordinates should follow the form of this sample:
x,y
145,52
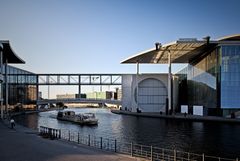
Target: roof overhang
x,y
9,55
182,51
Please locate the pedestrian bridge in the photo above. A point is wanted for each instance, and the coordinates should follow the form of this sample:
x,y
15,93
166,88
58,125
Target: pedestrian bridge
x,y
79,100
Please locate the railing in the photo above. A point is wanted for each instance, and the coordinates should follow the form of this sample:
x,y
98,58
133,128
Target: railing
x,y
136,150
50,132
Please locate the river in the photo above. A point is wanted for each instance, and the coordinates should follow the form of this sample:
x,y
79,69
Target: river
x,y
217,139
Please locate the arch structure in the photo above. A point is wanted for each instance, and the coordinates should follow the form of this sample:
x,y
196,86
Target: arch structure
x,y
146,92
151,95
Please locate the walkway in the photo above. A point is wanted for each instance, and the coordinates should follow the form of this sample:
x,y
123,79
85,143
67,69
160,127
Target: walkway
x,y
23,144
180,117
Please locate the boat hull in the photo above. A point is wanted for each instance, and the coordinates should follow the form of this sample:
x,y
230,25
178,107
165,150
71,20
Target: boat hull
x,y
80,122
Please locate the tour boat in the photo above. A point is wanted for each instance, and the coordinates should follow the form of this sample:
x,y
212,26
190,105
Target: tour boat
x,y
82,119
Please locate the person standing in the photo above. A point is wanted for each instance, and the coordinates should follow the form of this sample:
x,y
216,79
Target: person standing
x,y
12,122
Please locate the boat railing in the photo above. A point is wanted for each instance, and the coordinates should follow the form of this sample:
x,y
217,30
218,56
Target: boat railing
x,y
137,150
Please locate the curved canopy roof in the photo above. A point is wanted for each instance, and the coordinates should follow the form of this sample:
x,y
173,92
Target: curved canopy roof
x,y
235,37
9,54
181,51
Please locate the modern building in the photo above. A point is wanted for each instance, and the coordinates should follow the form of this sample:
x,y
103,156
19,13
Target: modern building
x,y
147,92
14,82
210,84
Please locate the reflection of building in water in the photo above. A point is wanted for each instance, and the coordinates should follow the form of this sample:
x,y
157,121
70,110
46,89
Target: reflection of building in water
x,y
18,92
24,94
209,85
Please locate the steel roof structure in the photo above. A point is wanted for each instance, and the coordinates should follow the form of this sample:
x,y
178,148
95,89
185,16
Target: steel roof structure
x,y
181,51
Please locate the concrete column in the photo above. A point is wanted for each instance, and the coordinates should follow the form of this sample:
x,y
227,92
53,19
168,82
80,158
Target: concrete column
x,y
48,91
79,91
6,85
79,86
137,90
1,81
169,81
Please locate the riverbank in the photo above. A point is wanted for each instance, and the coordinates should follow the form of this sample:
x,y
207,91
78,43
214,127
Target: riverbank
x,y
33,111
180,117
25,144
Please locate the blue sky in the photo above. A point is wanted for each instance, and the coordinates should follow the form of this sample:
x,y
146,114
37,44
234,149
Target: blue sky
x,y
93,36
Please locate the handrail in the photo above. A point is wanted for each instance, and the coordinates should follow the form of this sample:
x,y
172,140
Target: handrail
x,y
136,150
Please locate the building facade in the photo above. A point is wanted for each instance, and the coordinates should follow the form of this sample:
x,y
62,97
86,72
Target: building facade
x,y
213,81
147,92
21,88
210,84
15,83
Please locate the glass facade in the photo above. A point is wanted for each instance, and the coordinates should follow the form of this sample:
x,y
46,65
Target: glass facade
x,y
202,81
198,83
230,76
22,87
212,81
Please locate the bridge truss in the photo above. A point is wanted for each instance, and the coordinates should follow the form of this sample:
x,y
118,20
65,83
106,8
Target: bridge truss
x,y
79,79
64,79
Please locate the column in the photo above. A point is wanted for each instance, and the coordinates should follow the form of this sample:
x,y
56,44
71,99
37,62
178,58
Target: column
x,y
6,85
79,86
169,82
37,89
137,90
79,91
1,80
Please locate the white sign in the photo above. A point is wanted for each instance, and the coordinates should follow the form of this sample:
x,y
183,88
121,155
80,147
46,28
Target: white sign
x,y
184,108
198,110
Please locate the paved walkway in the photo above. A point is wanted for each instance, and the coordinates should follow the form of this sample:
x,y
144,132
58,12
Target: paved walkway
x,y
23,144
180,117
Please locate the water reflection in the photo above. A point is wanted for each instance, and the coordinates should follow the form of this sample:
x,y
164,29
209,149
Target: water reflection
x,y
210,138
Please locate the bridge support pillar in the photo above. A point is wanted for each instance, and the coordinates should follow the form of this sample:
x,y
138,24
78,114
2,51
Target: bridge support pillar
x,y
79,91
37,90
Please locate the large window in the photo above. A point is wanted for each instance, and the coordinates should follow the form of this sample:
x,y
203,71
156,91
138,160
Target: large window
x,y
230,76
202,81
21,86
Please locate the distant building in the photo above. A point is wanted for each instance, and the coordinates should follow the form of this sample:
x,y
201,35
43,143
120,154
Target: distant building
x,y
118,94
69,96
101,95
65,96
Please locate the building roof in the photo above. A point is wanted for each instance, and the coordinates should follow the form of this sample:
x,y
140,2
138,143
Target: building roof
x,y
181,51
235,37
9,54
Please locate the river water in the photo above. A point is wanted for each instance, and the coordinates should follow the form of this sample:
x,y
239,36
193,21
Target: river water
x,y
217,139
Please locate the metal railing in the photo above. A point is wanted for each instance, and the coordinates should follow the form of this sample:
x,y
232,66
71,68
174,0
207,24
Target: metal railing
x,y
135,150
50,132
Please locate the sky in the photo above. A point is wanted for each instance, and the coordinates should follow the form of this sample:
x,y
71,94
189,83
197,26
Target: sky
x,y
94,36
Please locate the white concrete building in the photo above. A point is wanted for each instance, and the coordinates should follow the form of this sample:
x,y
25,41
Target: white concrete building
x,y
151,91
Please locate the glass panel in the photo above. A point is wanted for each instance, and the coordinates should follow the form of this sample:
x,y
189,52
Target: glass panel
x,y
201,81
230,76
